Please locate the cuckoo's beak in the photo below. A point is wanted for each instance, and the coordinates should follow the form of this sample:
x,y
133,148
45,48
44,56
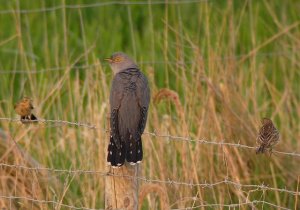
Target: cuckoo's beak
x,y
109,60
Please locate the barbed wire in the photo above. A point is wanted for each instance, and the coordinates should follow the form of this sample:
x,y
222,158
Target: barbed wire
x,y
152,180
20,71
45,202
218,143
83,67
171,182
100,4
44,121
166,137
254,202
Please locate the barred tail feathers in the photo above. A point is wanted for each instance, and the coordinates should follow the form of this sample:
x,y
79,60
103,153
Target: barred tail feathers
x,y
116,153
134,150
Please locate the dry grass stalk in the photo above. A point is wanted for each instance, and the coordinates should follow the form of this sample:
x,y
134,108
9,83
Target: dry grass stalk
x,y
21,183
185,150
171,95
160,191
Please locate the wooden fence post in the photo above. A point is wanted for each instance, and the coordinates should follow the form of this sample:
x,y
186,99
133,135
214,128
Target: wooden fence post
x,y
121,188
121,185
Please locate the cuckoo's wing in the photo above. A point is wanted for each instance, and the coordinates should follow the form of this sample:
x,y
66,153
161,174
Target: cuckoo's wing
x,y
116,95
143,95
116,92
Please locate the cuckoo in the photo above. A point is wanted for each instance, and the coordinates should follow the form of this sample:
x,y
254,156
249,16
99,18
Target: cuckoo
x,y
129,102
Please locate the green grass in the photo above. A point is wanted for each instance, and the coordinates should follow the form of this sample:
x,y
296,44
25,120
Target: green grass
x,y
231,63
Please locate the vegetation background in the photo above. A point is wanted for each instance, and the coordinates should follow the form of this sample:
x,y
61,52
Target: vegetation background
x,y
225,64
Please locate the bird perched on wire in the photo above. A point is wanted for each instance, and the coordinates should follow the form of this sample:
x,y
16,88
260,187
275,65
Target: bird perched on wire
x,y
129,102
24,108
268,136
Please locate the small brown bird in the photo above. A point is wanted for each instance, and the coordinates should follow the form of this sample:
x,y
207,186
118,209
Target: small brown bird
x,y
24,108
268,136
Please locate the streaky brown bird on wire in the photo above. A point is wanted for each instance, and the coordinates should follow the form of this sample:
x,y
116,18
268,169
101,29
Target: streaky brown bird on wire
x,y
24,108
129,102
268,136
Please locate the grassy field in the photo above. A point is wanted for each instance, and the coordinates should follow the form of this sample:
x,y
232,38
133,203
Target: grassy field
x,y
225,64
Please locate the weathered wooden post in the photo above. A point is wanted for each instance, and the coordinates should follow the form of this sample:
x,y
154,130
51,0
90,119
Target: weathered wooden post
x,y
121,188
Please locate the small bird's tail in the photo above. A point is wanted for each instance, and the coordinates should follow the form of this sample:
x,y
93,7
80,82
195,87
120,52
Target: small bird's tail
x,y
116,153
28,119
134,151
33,117
260,149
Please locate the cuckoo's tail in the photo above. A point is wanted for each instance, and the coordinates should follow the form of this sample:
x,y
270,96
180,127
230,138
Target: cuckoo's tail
x,y
116,153
134,151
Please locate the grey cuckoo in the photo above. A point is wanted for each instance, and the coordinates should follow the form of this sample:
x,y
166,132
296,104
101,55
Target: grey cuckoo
x,y
129,102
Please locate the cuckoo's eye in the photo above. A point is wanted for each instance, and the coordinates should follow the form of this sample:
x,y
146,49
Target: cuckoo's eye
x,y
117,59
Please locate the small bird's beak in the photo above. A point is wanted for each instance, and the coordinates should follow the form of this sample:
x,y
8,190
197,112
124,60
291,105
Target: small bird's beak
x,y
108,59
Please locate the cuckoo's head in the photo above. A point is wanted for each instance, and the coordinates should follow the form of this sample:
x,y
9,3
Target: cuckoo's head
x,y
120,61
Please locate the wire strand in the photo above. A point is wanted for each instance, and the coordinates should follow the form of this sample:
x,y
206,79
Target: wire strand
x,y
45,202
254,202
100,4
83,67
152,180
